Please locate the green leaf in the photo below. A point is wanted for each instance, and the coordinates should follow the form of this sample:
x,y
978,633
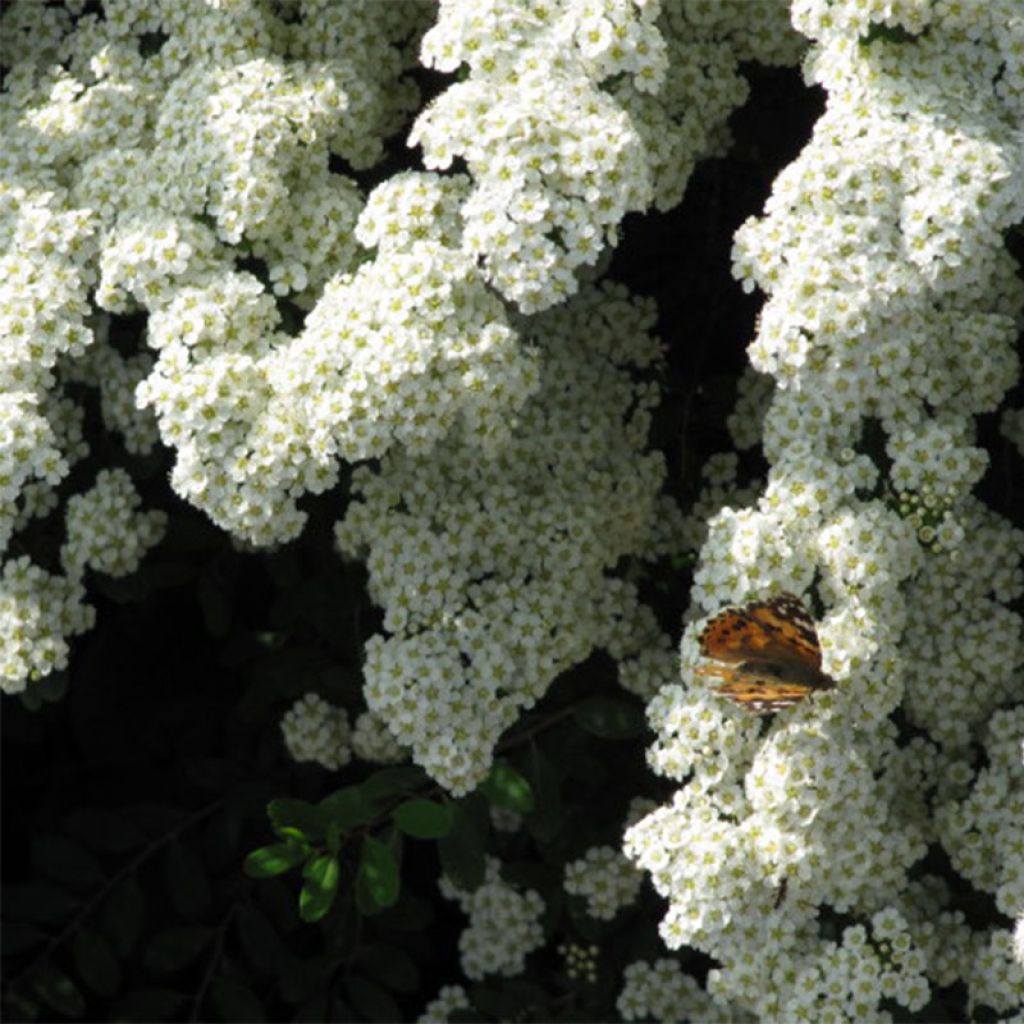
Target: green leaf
x,y
106,831
214,602
389,965
187,881
611,719
146,1004
505,787
321,876
306,819
38,903
16,937
378,882
57,990
236,1002
65,860
170,950
386,784
259,940
96,963
268,861
371,1001
346,808
462,852
120,917
423,819
547,819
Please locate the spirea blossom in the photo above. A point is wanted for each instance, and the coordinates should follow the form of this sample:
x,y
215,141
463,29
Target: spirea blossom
x,y
605,879
315,730
447,1001
504,925
641,95
491,566
661,991
890,325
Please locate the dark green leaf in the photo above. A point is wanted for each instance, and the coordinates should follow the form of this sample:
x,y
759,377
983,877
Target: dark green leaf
x,y
38,903
546,820
18,938
259,940
423,819
65,860
57,990
389,965
505,787
319,888
120,918
386,784
187,881
221,838
106,831
611,719
215,605
268,861
170,950
371,1001
96,964
462,852
144,1004
346,808
306,819
378,882
235,1002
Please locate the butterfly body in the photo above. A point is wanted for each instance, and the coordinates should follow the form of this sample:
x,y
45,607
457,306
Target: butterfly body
x,y
766,653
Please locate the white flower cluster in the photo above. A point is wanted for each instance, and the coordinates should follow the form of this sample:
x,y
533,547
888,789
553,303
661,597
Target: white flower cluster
x,y
491,565
315,730
137,176
984,835
107,531
580,961
889,327
605,879
640,98
504,925
39,611
661,991
439,1010
372,742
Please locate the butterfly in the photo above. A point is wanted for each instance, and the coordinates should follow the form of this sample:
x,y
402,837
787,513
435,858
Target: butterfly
x,y
766,653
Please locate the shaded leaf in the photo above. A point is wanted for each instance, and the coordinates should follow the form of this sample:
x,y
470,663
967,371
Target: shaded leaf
x,y
377,883
372,1002
38,903
386,784
423,819
305,819
57,990
346,808
187,881
319,887
170,950
236,1002
611,719
16,937
389,965
144,1004
65,860
259,940
505,787
106,831
96,963
120,917
268,861
462,852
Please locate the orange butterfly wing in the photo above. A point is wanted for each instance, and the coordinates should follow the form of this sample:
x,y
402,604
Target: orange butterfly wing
x,y
767,654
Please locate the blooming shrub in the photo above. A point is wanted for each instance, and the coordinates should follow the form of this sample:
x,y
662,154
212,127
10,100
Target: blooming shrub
x,y
277,275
